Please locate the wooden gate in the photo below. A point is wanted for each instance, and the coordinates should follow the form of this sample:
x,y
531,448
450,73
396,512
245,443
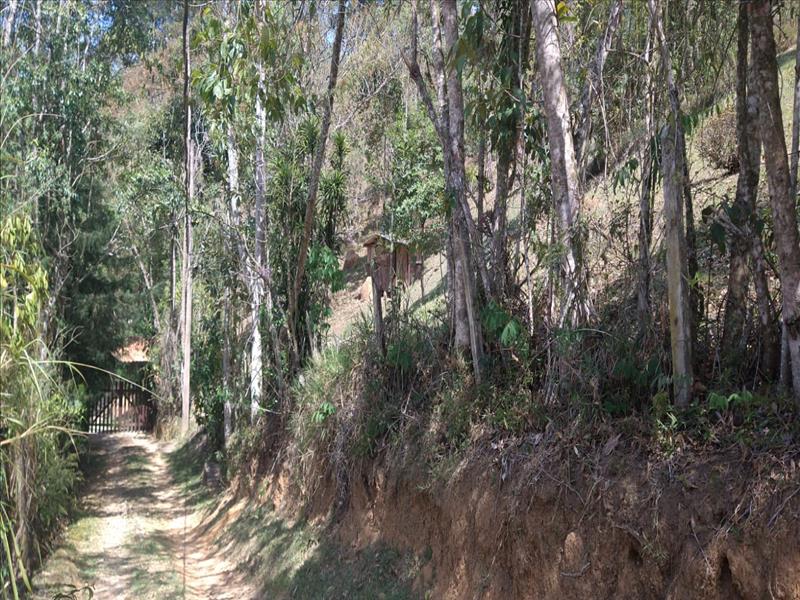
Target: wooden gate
x,y
125,407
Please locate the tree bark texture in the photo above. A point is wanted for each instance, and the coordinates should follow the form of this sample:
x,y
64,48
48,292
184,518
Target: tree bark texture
x,y
784,206
316,169
677,268
566,189
594,81
186,295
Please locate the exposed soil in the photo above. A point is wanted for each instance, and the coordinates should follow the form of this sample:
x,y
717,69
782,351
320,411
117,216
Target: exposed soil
x,y
514,520
529,522
138,533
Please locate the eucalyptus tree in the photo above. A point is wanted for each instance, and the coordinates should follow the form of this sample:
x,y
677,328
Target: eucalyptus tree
x,y
314,178
448,121
190,167
250,77
575,307
674,173
784,207
746,249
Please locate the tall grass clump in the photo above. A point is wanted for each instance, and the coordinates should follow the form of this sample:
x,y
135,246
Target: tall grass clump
x,y
38,410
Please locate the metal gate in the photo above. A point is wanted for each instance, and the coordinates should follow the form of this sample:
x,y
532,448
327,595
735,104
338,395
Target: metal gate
x,y
125,407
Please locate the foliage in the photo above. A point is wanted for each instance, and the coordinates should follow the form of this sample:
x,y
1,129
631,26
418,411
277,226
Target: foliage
x,y
38,467
416,179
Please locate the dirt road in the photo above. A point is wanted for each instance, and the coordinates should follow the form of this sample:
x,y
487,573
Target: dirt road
x,y
138,533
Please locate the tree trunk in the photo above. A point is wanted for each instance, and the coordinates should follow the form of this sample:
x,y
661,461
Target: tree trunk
x,y
784,353
566,193
227,407
448,121
173,260
646,192
456,184
518,40
744,240
37,26
676,191
8,22
316,168
784,206
677,270
186,296
593,82
739,239
796,116
481,192
255,282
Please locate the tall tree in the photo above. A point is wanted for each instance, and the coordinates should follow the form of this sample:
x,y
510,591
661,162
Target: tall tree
x,y
255,282
186,267
8,21
564,176
594,81
674,172
744,240
448,121
784,206
512,64
646,186
456,185
795,153
316,170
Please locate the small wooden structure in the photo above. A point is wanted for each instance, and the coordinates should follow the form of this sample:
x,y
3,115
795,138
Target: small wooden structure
x,y
136,351
389,261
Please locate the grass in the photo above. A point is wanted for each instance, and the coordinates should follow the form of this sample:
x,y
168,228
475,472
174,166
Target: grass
x,y
185,465
292,559
302,561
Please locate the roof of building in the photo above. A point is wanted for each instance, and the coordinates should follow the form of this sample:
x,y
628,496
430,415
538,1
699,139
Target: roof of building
x,y
134,351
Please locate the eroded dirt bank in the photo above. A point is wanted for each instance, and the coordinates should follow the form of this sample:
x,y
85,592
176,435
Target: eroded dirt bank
x,y
528,521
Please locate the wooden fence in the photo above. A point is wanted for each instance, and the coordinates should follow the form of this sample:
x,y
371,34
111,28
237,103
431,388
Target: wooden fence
x,y
124,407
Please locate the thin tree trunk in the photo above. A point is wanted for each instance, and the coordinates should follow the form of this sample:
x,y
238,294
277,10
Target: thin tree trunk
x,y
457,188
173,258
316,168
518,39
189,165
784,354
796,116
593,83
37,25
784,206
746,188
227,407
8,21
673,169
646,191
566,193
481,195
255,281
677,270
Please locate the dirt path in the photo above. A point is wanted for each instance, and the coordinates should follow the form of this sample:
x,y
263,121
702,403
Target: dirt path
x,y
139,532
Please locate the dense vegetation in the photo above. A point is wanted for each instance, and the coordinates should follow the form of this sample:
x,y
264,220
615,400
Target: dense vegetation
x,y
560,173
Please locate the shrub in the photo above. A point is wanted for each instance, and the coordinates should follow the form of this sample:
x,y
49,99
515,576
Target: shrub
x,y
718,141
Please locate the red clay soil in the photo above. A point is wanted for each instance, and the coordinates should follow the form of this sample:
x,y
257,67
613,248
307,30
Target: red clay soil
x,y
525,525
